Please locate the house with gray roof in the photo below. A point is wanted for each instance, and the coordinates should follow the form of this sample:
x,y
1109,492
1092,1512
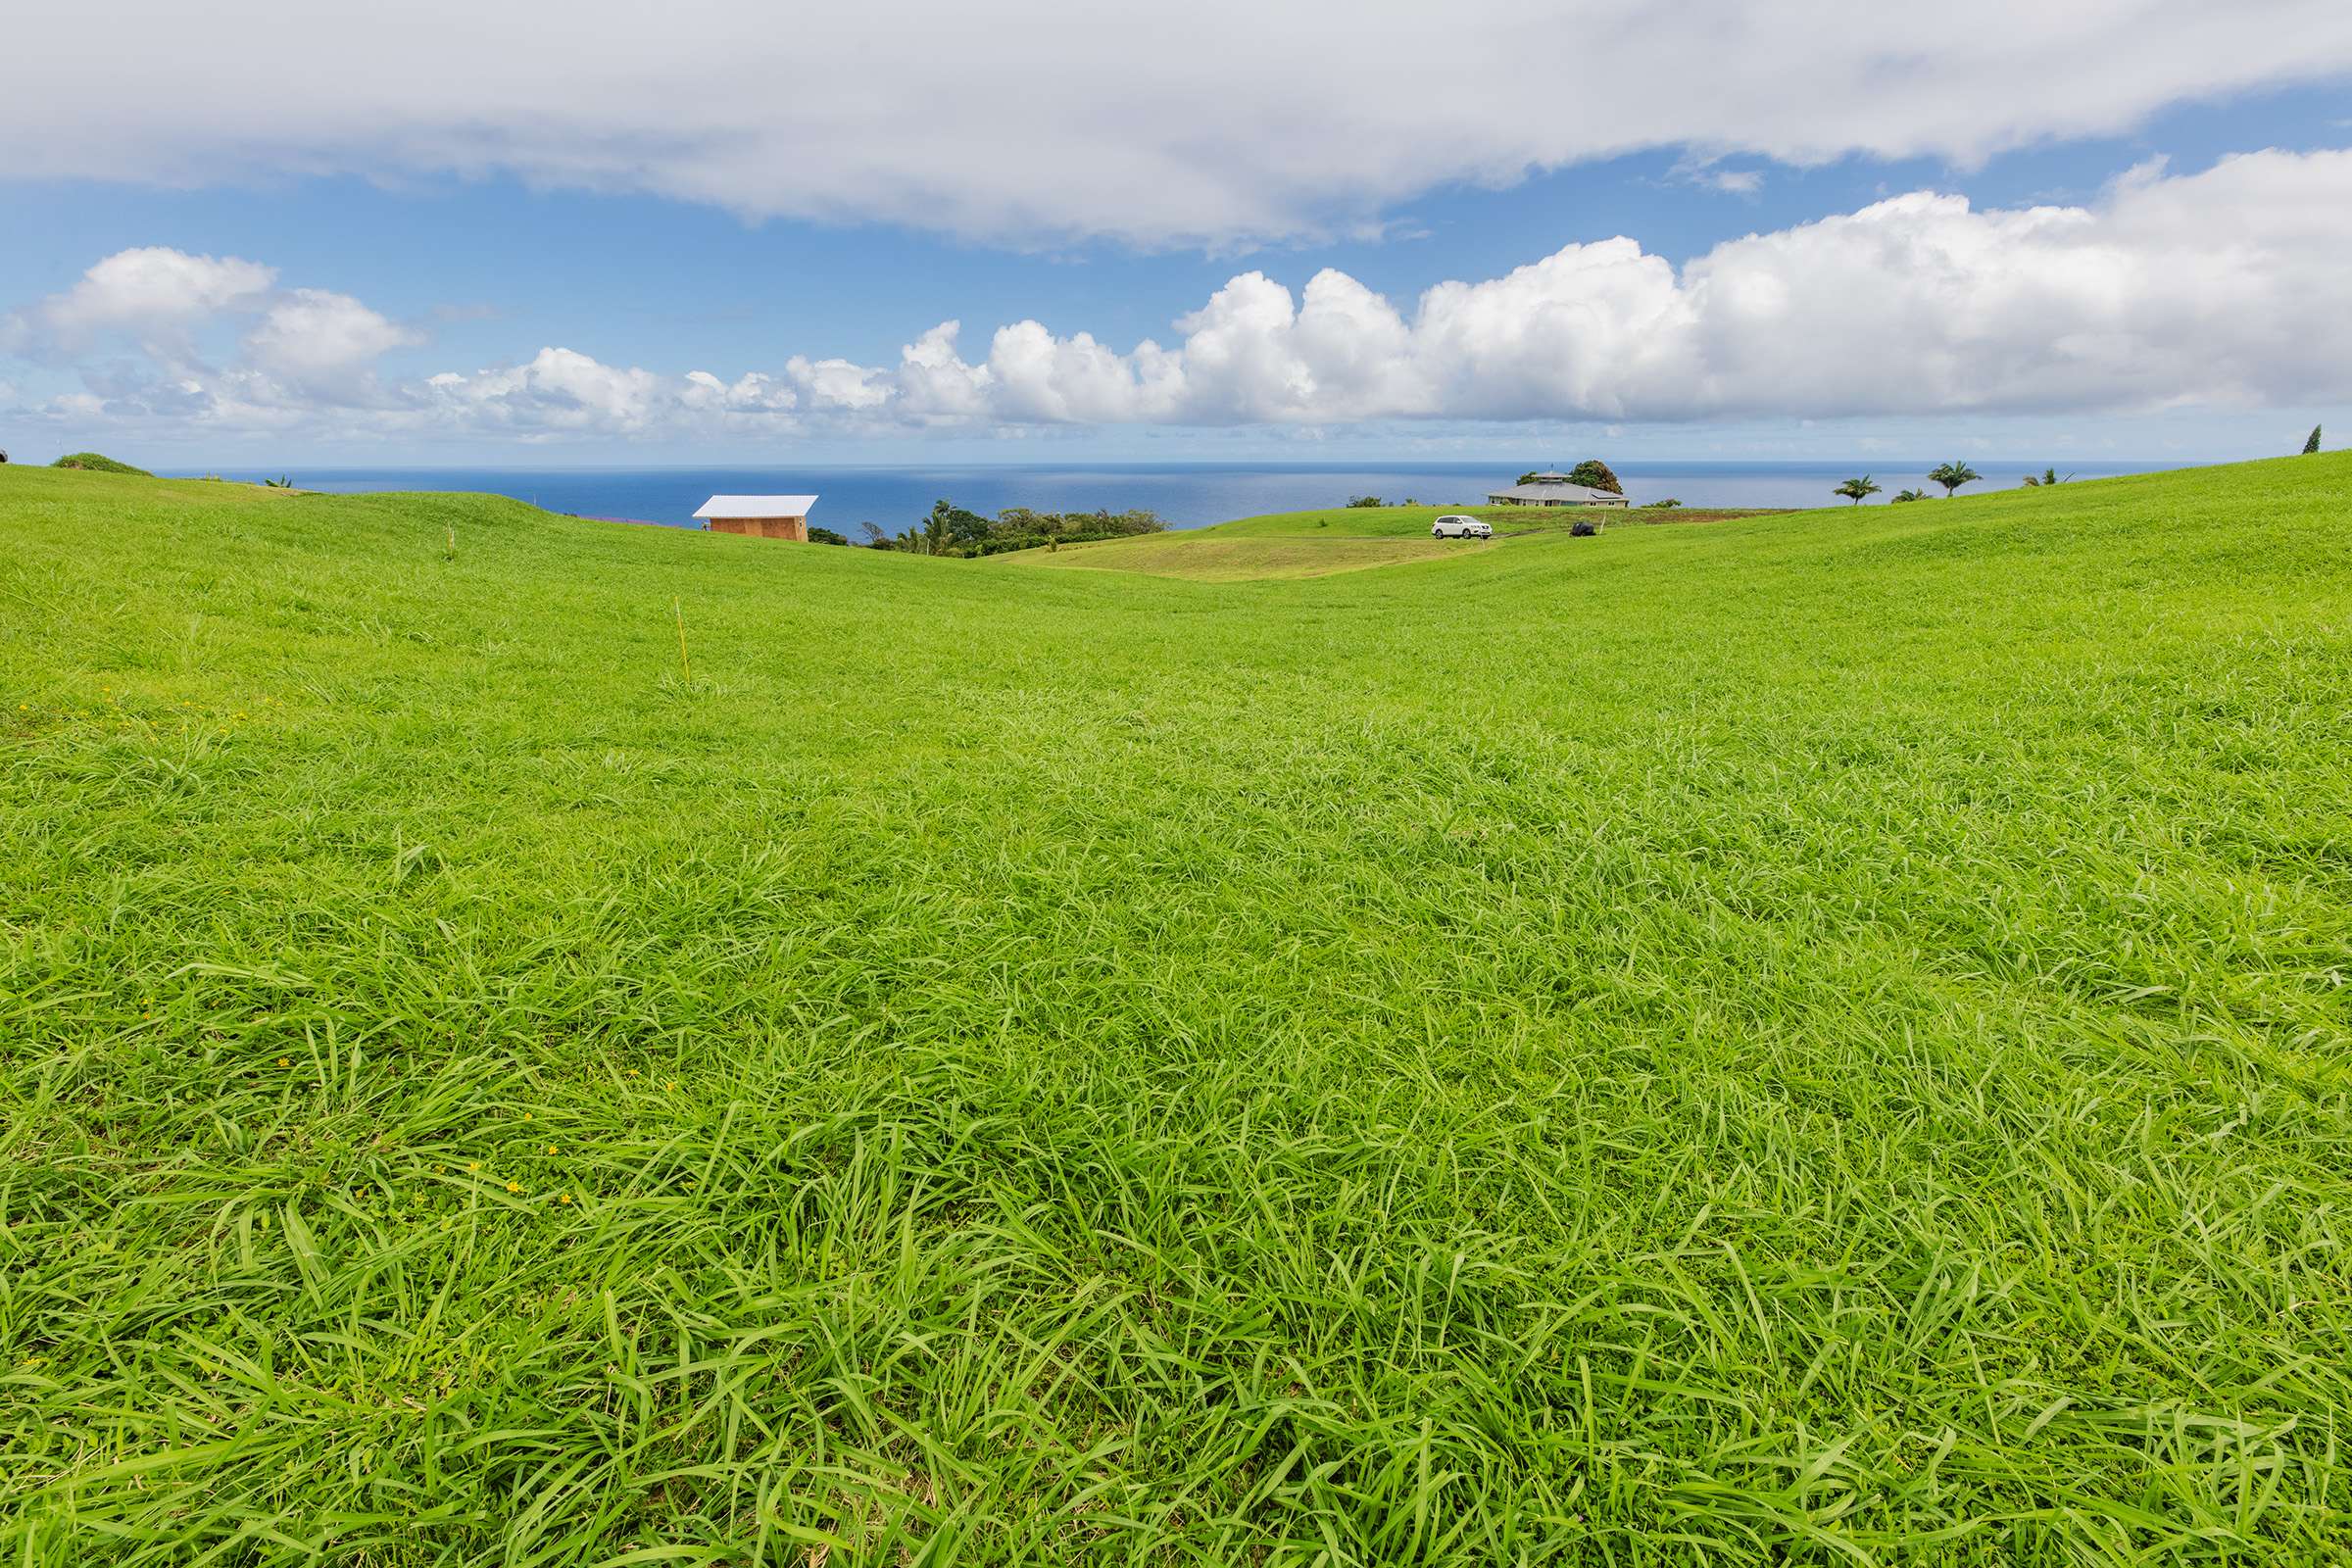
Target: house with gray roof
x,y
1554,490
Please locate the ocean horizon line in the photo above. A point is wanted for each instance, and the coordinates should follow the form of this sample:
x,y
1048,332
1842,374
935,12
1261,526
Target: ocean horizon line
x,y
2135,464
1186,495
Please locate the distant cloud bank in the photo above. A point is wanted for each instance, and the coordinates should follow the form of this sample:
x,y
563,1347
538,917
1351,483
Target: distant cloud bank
x,y
2222,287
1220,122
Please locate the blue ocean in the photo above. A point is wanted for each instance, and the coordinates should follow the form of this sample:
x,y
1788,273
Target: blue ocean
x,y
1187,495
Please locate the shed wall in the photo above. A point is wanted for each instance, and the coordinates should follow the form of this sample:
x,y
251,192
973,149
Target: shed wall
x,y
764,527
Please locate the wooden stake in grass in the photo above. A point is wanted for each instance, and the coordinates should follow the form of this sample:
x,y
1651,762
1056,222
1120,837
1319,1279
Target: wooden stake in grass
x,y
451,554
682,664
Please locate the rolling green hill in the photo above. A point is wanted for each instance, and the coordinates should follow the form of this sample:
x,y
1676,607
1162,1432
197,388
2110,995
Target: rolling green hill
x,y
1809,1038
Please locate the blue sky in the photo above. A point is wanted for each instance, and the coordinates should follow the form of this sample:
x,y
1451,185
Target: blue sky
x,y
459,265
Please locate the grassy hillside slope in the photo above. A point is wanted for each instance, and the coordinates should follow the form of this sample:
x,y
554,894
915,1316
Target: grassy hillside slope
x,y
1819,1038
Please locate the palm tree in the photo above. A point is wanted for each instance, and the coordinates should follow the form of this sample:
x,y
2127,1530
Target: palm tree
x,y
1952,475
1855,489
2048,476
1909,495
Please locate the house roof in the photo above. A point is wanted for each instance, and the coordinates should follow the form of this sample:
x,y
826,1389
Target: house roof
x,y
1546,488
755,507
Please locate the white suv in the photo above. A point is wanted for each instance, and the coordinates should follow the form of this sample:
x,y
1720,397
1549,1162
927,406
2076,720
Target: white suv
x,y
1456,526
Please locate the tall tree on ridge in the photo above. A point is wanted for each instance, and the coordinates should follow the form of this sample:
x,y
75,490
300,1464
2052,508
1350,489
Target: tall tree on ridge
x,y
2312,445
1952,475
1596,474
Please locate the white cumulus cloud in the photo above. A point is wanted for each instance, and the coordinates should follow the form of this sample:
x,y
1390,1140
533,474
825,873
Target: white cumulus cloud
x,y
323,344
152,292
2219,287
559,392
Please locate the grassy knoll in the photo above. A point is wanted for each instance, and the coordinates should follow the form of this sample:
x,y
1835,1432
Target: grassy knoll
x,y
1820,1038
98,463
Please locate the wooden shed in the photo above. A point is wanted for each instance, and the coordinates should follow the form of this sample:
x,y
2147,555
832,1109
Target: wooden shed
x,y
761,516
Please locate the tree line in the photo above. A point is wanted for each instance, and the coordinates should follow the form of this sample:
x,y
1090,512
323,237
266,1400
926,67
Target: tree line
x,y
1950,475
953,530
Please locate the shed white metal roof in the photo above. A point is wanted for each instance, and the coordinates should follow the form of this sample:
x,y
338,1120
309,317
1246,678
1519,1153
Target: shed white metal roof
x,y
755,507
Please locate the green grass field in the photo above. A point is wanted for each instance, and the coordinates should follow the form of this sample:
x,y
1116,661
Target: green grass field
x,y
1817,1038
1240,558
